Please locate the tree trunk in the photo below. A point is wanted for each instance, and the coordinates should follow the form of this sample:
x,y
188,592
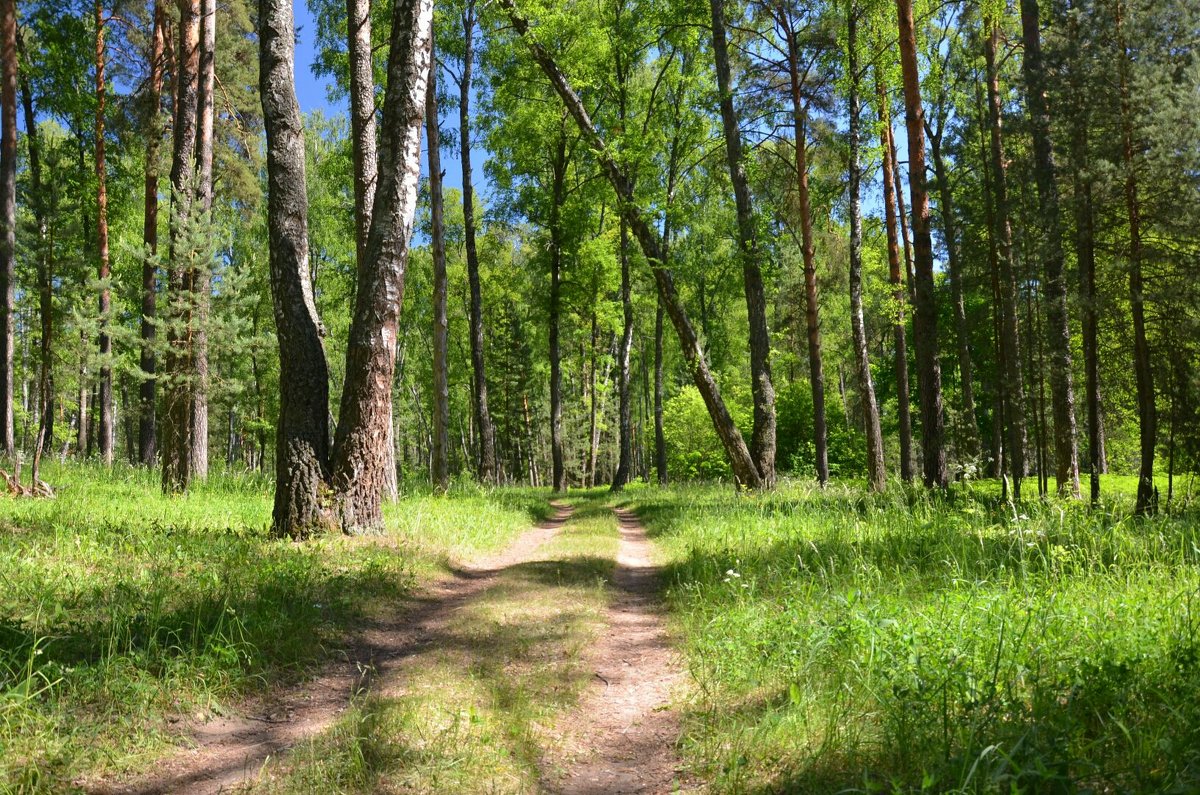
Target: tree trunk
x,y
1085,255
8,216
1147,495
1058,337
147,401
441,363
745,470
483,419
625,408
360,459
1013,384
176,457
558,191
200,276
925,317
899,292
104,269
954,267
876,475
660,439
762,440
816,372
302,435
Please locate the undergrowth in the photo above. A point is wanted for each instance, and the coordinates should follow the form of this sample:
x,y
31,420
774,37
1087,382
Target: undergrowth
x,y
843,642
123,612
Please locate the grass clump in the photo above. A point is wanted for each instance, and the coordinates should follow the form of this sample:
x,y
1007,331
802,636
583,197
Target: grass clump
x,y
123,612
904,643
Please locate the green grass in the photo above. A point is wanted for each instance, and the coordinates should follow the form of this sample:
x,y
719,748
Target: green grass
x,y
842,642
122,610
479,707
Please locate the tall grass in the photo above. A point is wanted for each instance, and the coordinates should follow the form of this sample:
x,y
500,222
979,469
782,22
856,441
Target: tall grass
x,y
122,611
848,642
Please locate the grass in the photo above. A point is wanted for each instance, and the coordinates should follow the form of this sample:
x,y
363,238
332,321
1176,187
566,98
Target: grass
x,y
842,642
122,610
477,710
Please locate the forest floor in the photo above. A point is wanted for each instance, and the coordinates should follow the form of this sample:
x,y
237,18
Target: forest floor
x,y
544,668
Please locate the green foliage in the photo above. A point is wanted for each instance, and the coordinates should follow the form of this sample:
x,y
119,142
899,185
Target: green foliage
x,y
796,451
694,451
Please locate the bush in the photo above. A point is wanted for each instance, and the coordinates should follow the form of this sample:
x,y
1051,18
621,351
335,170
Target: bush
x,y
796,451
694,451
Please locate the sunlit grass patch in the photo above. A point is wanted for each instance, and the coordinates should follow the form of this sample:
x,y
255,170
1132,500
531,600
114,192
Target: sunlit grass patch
x,y
475,709
122,610
840,641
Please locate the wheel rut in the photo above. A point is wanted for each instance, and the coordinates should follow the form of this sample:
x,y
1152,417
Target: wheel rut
x,y
622,738
229,753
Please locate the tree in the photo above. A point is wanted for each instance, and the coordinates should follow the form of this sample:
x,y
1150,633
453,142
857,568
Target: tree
x,y
762,441
8,215
1058,331
360,459
104,270
302,434
441,365
147,392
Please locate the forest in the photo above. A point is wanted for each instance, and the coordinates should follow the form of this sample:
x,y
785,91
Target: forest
x,y
589,396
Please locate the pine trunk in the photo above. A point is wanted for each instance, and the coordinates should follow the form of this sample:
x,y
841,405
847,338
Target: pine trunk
x,y
104,268
360,459
200,276
147,399
1058,336
302,435
933,451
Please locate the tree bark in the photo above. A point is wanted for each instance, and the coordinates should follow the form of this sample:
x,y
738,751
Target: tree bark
x,y
954,268
176,458
483,419
360,458
558,197
1147,495
8,216
899,292
441,363
1013,384
762,440
200,276
1058,336
302,434
104,269
625,408
147,400
933,452
876,475
816,370
745,470
660,439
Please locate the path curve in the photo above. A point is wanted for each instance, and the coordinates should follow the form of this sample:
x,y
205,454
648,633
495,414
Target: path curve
x,y
229,752
622,738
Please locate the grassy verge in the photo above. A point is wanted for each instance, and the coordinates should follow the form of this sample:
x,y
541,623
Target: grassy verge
x,y
121,609
475,710
847,642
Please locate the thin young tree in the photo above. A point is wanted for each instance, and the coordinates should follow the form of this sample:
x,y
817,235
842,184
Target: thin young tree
x,y
933,451
104,267
876,475
199,276
302,433
440,452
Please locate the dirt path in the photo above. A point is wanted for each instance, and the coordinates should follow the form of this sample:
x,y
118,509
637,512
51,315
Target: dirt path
x,y
231,751
622,737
